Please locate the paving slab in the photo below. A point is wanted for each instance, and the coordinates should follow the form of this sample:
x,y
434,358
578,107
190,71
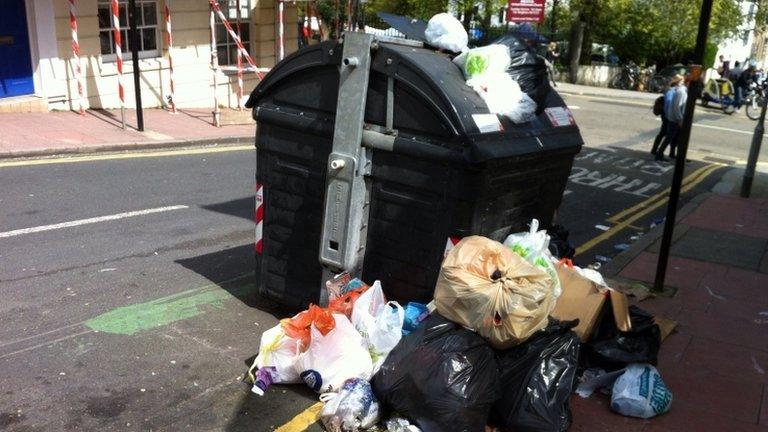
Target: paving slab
x,y
720,247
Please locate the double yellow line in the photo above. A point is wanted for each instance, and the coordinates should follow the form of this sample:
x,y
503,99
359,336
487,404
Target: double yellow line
x,y
626,217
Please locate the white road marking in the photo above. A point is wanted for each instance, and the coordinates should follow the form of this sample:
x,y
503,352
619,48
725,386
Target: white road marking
x,y
718,128
574,107
79,222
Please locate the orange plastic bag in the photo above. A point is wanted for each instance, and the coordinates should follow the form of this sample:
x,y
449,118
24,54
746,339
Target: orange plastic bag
x,y
298,327
344,304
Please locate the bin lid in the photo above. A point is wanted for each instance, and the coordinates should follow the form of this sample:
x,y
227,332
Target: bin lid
x,y
432,104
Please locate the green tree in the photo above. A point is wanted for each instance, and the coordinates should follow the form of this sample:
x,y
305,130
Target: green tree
x,y
662,31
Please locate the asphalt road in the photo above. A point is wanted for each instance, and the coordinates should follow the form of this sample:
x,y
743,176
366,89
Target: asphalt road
x,y
146,319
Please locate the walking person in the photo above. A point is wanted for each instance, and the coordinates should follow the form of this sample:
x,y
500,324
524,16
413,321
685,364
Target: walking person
x,y
674,107
725,67
658,110
551,56
741,86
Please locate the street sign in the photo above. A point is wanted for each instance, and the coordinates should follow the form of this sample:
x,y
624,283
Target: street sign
x,y
519,11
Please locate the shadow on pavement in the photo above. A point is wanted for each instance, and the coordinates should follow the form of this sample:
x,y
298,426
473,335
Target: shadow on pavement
x,y
233,270
241,207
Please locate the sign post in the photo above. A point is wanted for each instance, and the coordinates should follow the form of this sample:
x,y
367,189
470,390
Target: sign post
x,y
530,11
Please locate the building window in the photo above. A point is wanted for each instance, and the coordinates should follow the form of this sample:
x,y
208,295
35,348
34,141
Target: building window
x,y
225,45
146,25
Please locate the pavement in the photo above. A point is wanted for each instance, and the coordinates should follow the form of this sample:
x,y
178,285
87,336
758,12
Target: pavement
x,y
578,89
716,289
63,132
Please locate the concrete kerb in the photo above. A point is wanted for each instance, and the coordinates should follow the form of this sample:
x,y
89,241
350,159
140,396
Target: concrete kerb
x,y
604,92
128,146
620,261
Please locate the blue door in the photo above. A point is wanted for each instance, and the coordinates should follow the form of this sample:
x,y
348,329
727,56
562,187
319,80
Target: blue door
x,y
15,60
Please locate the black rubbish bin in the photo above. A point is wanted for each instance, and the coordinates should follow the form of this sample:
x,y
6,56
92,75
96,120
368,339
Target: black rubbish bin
x,y
450,169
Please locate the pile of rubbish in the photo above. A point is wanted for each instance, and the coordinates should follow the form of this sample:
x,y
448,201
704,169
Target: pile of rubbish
x,y
507,74
512,332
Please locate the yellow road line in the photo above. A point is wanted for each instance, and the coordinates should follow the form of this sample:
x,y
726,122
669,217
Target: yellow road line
x,y
127,155
617,217
619,227
303,420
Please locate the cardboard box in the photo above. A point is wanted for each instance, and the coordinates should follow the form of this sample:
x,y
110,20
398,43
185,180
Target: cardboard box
x,y
583,299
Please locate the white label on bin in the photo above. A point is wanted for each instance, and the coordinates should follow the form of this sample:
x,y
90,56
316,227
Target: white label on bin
x,y
487,123
560,116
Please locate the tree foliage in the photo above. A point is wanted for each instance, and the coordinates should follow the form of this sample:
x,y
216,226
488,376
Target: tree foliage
x,y
655,31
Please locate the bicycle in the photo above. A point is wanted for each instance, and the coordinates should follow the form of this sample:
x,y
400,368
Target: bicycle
x,y
754,100
627,78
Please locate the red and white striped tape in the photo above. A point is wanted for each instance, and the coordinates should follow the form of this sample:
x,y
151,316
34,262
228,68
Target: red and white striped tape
x,y
280,30
76,54
118,51
259,218
450,243
169,44
233,35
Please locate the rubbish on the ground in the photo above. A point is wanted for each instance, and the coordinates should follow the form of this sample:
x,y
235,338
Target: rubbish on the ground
x,y
336,284
583,299
612,348
487,287
666,326
559,246
399,424
279,352
490,58
635,289
536,380
442,377
447,33
352,409
640,392
533,245
594,379
379,322
298,327
621,246
636,237
602,227
592,275
602,258
335,357
263,378
415,313
344,303
657,221
503,96
528,69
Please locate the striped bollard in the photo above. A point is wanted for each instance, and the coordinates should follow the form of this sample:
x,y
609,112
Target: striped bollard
x,y
239,62
119,57
280,30
76,54
169,43
259,219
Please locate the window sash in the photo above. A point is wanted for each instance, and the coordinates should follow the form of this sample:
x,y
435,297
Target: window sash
x,y
149,44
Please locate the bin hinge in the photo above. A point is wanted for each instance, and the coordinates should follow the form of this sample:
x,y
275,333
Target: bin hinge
x,y
347,193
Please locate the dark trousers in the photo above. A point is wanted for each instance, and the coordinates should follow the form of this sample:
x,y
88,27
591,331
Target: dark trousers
x,y
739,97
661,134
670,139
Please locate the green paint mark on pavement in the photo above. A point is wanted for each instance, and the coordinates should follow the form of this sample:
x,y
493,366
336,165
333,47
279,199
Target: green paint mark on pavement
x,y
129,320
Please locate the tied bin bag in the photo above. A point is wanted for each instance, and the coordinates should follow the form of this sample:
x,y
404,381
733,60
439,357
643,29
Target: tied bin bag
x,y
485,286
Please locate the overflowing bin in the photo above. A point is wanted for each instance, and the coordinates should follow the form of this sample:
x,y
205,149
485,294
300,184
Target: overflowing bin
x,y
375,157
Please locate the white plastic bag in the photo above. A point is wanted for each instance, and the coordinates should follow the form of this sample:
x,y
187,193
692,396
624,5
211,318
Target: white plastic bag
x,y
379,322
352,409
446,32
640,392
503,96
534,247
334,358
490,58
280,352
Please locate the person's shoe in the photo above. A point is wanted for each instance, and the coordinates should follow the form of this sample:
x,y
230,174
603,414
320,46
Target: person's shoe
x,y
660,158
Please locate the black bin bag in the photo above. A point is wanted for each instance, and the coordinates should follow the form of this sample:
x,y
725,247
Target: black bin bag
x,y
537,379
528,69
612,349
441,377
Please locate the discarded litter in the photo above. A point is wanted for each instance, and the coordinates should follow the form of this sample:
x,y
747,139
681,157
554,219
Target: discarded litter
x,y
487,287
442,377
379,322
602,258
602,227
446,32
415,313
399,424
352,409
621,246
640,392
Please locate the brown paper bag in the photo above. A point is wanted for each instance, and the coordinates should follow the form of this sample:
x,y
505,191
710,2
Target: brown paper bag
x,y
485,286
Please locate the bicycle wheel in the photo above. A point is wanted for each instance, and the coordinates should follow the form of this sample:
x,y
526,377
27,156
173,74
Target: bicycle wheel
x,y
615,81
754,105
